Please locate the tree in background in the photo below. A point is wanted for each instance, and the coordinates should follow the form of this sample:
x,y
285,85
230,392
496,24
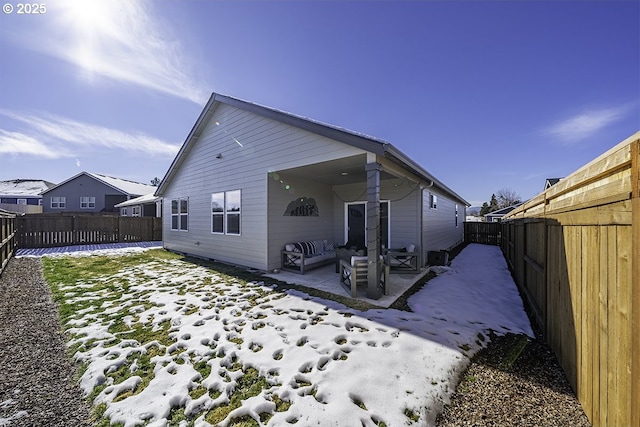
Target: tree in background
x,y
484,209
506,197
155,181
489,207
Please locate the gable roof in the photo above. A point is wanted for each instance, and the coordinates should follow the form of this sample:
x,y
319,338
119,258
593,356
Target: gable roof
x,y
129,188
24,187
355,139
503,211
550,182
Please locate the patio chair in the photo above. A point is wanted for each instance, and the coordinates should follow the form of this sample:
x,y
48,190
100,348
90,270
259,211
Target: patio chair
x,y
402,260
355,273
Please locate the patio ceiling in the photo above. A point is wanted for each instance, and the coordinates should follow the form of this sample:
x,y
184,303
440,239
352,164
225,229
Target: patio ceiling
x,y
348,170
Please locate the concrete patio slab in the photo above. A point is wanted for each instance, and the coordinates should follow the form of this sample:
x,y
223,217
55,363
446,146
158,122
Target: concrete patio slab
x,y
326,279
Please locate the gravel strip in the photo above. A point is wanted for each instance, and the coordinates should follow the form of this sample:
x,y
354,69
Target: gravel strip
x,y
531,390
37,386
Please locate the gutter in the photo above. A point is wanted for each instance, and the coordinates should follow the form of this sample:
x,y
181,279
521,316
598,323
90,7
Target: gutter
x,y
393,154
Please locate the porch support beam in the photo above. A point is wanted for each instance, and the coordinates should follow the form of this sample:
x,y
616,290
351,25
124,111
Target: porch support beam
x,y
373,229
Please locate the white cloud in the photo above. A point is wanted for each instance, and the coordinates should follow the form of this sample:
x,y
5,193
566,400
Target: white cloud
x,y
120,40
18,143
51,135
583,125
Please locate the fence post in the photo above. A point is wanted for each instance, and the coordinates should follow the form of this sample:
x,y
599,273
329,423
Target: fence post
x,y
635,275
7,239
75,235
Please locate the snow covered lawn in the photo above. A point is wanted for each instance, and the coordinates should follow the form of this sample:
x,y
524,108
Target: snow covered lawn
x,y
169,342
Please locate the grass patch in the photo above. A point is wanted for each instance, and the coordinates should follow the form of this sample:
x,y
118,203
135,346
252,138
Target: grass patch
x,y
514,350
412,415
105,290
250,384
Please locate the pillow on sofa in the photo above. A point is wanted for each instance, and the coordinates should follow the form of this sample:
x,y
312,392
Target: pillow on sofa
x,y
307,248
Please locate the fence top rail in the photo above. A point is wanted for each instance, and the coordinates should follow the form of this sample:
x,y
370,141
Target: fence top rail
x,y
604,180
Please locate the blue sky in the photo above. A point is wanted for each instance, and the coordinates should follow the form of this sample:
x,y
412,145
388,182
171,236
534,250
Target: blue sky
x,y
483,94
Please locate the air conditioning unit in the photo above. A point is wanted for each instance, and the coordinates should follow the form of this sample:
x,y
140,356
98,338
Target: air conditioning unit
x,y
438,257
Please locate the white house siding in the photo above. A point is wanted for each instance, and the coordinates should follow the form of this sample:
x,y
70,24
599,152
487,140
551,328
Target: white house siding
x,y
439,229
249,147
404,209
285,229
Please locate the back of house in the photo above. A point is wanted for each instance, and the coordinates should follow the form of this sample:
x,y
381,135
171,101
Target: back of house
x,y
251,179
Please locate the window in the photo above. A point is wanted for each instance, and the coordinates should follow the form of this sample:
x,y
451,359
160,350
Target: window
x,y
217,213
21,201
135,211
123,211
225,212
179,214
456,215
59,202
433,201
87,202
232,204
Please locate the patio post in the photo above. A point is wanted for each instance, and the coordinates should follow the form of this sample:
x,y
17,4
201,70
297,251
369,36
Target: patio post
x,y
373,229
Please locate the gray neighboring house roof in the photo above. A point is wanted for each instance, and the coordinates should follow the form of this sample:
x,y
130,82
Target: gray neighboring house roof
x,y
502,212
129,188
345,136
551,182
24,187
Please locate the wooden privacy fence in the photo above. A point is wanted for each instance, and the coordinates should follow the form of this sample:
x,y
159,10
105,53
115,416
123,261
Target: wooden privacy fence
x,y
41,231
7,238
487,233
574,251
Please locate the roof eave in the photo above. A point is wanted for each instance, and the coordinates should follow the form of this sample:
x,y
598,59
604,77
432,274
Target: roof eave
x,y
394,154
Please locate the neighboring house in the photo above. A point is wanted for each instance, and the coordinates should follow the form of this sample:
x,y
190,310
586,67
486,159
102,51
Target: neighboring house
x,y
496,216
23,195
147,205
551,182
250,179
91,192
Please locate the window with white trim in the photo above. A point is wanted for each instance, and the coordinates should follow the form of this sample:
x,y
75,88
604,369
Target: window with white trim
x,y
135,210
123,211
456,215
21,201
179,214
87,202
433,201
58,202
226,211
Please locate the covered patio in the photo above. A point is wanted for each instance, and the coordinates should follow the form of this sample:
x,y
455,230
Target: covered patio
x,y
326,279
360,191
